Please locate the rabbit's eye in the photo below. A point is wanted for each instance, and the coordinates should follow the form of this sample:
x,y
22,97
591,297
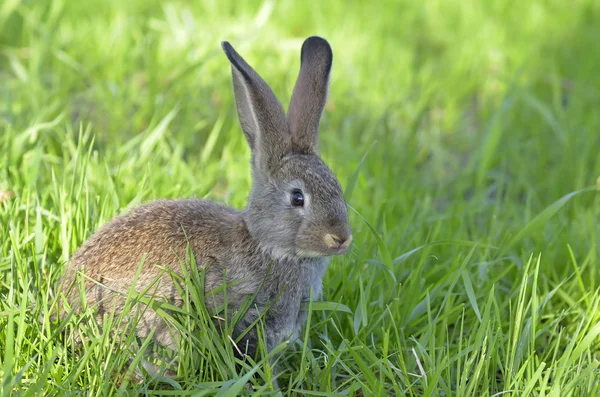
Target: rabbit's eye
x,y
297,198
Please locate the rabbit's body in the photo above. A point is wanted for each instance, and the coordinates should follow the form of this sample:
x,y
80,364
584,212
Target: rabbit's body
x,y
276,248
221,243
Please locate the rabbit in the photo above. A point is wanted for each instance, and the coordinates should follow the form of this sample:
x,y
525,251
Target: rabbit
x,y
277,247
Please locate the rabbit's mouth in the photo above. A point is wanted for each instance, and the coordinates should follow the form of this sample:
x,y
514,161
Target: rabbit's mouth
x,y
325,251
337,244
331,245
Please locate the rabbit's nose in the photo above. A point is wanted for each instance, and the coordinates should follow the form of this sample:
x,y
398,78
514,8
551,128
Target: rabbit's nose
x,y
336,242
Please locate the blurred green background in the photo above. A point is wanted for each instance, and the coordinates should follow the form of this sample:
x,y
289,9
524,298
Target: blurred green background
x,y
486,101
491,94
448,121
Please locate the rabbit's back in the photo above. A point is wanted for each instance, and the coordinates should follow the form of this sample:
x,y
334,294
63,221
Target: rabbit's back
x,y
154,234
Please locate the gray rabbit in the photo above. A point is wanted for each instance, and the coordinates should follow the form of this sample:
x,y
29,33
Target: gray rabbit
x,y
276,248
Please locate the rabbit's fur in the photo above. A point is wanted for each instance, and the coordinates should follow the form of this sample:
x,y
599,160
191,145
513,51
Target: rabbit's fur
x,y
271,243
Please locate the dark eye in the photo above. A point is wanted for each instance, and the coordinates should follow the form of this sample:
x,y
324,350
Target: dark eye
x,y
297,198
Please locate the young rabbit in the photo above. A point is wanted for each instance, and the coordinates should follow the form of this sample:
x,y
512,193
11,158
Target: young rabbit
x,y
277,247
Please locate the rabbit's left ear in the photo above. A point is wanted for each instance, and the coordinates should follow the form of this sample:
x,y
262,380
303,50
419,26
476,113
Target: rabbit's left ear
x,y
261,116
310,95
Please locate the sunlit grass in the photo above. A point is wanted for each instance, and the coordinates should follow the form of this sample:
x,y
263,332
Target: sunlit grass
x,y
466,136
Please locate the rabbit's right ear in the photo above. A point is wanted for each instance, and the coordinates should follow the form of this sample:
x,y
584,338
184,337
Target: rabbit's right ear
x,y
310,94
261,115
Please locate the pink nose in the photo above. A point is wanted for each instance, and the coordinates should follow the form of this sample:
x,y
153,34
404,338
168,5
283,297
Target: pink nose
x,y
336,242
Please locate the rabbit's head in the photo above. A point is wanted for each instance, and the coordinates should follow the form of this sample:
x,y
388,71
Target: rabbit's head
x,y
296,207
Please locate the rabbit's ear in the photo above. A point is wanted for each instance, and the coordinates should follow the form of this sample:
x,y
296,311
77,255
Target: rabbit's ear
x,y
310,94
261,116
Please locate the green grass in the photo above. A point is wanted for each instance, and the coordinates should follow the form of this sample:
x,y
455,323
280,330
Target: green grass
x,y
466,135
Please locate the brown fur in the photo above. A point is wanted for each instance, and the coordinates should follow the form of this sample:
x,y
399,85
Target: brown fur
x,y
293,242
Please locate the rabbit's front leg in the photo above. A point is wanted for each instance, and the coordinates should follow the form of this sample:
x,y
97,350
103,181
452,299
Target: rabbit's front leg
x,y
248,346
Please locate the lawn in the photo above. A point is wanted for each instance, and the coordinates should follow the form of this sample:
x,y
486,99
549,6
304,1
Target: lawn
x,y
466,136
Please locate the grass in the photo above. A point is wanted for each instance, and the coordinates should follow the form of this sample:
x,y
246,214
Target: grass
x,y
466,135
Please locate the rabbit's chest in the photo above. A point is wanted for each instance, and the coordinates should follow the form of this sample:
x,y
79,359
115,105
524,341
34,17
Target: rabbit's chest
x,y
297,280
290,289
312,276
287,311
282,286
